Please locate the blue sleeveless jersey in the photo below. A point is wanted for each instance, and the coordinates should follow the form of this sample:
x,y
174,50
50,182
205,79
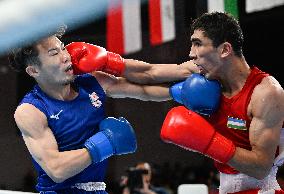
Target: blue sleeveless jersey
x,y
72,123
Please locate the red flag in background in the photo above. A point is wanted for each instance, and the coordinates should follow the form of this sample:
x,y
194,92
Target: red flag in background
x,y
124,26
162,21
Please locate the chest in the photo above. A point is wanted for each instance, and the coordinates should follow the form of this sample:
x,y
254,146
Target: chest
x,y
72,123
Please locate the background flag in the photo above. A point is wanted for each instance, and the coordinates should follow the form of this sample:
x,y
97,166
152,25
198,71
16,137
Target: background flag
x,y
161,21
230,6
259,5
124,26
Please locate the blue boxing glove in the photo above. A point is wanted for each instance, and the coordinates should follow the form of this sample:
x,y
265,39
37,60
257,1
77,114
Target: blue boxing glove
x,y
175,91
115,137
200,94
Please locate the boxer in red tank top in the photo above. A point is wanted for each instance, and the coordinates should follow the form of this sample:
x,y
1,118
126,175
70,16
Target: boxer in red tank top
x,y
243,134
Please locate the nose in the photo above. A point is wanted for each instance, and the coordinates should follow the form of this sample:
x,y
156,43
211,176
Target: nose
x,y
192,53
66,56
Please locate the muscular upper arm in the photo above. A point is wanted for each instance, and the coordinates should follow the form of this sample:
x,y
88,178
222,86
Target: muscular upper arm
x,y
267,110
38,137
42,145
145,73
118,87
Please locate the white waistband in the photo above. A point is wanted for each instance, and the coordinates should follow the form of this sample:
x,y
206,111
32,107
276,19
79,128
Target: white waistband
x,y
231,183
90,186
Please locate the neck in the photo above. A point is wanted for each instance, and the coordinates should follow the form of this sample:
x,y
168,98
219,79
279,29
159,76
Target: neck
x,y
59,92
235,76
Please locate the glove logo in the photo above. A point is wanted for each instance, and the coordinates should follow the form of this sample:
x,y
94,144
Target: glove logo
x,y
95,100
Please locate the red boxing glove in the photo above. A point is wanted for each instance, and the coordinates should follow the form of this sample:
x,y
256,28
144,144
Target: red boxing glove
x,y
87,58
189,130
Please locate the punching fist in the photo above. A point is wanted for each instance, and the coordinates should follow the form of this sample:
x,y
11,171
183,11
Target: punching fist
x,y
189,130
198,94
115,137
87,58
175,91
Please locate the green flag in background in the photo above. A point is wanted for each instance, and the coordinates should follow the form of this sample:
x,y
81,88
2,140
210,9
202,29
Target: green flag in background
x,y
230,6
260,5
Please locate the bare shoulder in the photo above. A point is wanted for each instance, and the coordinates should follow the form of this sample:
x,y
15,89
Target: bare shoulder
x,y
29,119
270,87
268,98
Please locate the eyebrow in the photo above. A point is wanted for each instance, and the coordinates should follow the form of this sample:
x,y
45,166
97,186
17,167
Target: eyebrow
x,y
55,49
195,40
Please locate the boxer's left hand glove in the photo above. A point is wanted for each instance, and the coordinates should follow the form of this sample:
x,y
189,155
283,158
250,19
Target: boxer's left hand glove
x,y
175,91
115,137
87,58
189,130
200,94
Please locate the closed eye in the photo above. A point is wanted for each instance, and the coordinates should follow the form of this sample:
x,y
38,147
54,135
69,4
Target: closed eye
x,y
53,53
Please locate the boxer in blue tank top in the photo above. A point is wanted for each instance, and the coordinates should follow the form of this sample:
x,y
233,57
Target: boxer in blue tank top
x,y
71,131
63,122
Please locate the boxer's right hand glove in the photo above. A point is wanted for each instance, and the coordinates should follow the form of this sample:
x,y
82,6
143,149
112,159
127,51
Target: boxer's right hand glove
x,y
198,94
115,137
87,58
189,130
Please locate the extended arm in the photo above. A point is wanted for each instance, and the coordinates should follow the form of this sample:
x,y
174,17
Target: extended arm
x,y
118,87
87,58
146,73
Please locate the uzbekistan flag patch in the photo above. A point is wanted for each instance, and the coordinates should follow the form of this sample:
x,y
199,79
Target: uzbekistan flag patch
x,y
238,124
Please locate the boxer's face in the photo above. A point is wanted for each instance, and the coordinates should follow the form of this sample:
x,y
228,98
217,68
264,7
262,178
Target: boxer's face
x,y
204,54
55,65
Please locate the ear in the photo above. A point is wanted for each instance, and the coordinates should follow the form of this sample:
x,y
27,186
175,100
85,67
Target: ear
x,y
32,71
225,49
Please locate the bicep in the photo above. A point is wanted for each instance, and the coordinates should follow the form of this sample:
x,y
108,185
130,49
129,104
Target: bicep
x,y
264,138
37,136
43,147
266,124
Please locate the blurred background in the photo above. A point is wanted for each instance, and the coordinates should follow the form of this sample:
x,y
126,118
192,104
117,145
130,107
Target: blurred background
x,y
135,30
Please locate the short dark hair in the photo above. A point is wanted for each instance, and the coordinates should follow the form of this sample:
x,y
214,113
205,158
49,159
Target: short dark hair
x,y
20,58
220,27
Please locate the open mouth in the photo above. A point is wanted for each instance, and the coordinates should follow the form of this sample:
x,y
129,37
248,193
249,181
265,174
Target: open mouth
x,y
68,68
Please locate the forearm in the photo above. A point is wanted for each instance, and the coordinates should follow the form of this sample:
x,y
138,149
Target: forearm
x,y
252,163
63,165
156,93
125,89
145,73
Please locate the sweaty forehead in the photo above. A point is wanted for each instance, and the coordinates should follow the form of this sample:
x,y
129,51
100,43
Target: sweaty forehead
x,y
49,43
198,34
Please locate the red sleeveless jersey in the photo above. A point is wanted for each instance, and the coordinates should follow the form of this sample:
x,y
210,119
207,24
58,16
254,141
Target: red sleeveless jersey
x,y
231,119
